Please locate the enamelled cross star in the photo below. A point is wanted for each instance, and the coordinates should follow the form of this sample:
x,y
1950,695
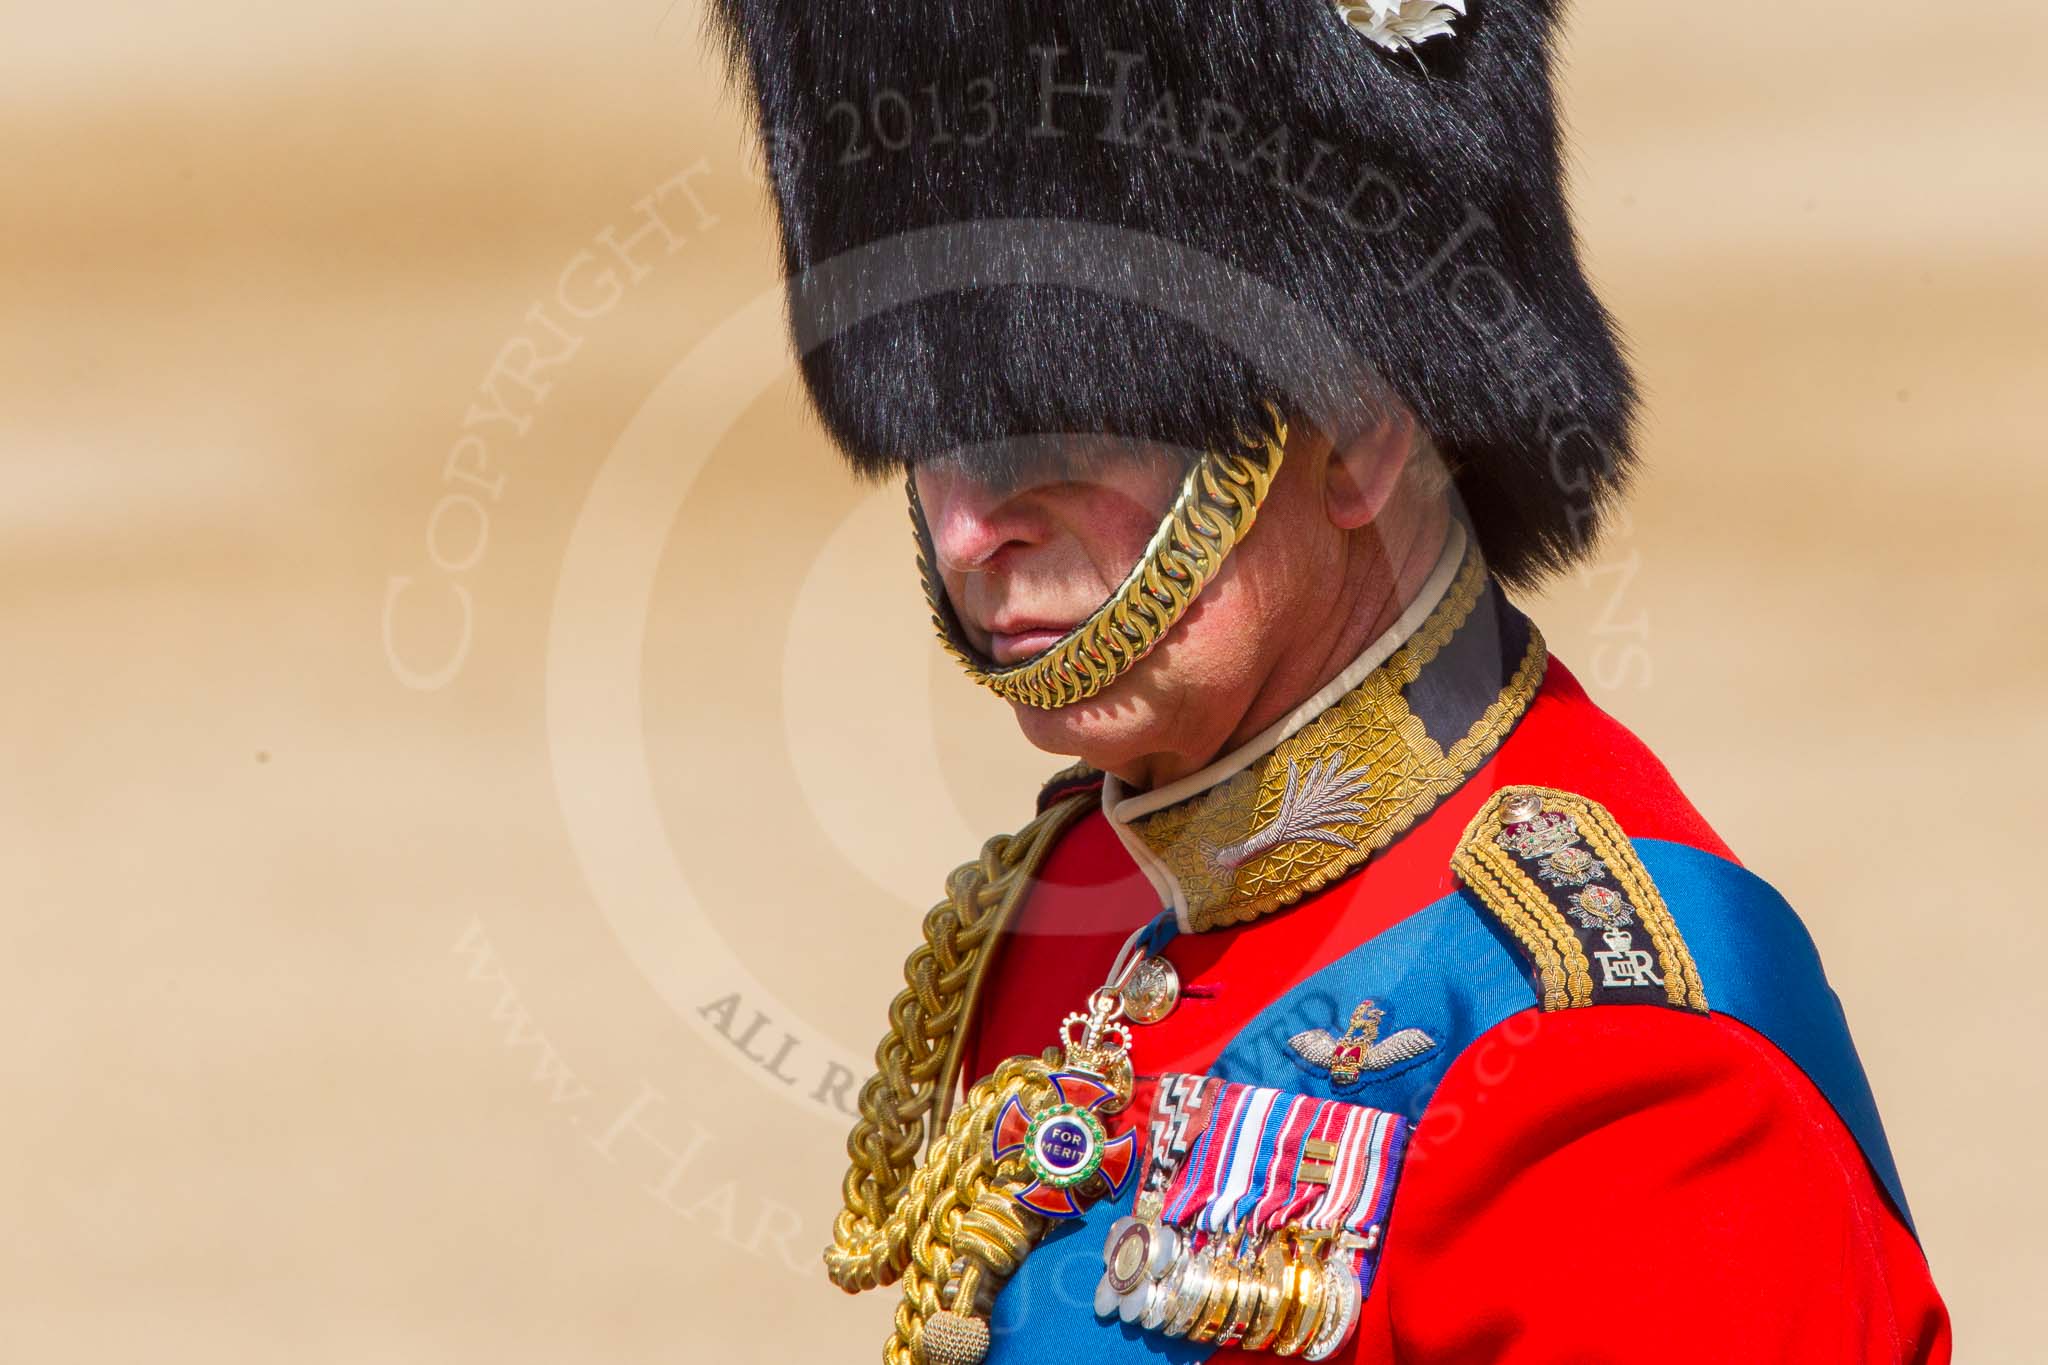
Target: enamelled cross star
x,y
1065,1145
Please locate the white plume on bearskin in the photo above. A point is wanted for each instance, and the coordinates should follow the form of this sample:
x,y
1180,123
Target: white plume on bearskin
x,y
1398,24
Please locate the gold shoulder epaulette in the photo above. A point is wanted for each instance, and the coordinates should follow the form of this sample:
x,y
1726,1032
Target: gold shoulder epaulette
x,y
1560,876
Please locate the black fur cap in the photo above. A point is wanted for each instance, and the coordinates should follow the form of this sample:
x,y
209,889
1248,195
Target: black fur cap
x,y
1012,218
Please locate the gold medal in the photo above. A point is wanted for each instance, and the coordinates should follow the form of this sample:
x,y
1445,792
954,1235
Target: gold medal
x,y
1215,1312
1305,1307
1250,1304
1341,1302
1273,1287
1129,1252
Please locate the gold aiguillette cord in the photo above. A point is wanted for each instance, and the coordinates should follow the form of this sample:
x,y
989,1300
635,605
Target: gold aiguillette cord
x,y
952,1228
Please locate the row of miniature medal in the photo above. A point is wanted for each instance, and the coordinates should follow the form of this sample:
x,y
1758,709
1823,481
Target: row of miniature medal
x,y
1258,1219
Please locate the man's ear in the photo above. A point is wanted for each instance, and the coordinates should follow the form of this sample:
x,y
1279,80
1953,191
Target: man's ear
x,y
1365,466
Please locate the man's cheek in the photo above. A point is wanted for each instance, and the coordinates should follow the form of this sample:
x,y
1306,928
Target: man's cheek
x,y
1117,548
961,592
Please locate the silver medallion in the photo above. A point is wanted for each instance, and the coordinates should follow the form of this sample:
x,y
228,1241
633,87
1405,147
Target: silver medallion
x,y
1151,990
1341,1301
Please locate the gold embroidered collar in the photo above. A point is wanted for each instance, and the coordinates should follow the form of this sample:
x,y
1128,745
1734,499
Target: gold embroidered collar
x,y
1337,780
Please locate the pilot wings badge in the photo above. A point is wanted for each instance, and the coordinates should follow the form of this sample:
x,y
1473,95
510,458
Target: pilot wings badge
x,y
1361,1048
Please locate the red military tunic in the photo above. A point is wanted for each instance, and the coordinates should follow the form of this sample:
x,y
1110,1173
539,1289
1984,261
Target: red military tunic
x,y
1615,1183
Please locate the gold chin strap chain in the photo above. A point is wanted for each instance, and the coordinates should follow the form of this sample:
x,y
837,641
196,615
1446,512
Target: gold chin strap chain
x,y
1214,510
949,1228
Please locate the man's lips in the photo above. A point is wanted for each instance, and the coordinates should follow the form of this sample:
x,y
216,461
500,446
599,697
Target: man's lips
x,y
1012,639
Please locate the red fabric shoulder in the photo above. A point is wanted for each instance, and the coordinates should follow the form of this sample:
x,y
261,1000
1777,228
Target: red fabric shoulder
x,y
1629,1183
1565,740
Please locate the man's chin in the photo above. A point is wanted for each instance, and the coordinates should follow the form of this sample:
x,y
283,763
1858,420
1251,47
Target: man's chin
x,y
1108,731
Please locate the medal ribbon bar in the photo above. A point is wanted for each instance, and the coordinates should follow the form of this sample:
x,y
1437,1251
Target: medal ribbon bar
x,y
1260,1218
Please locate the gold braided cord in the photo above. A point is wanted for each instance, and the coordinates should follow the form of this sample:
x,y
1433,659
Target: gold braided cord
x,y
1214,510
1682,986
912,1221
1501,884
957,1207
1500,881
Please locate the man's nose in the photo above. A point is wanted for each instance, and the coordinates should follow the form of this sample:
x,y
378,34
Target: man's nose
x,y
973,525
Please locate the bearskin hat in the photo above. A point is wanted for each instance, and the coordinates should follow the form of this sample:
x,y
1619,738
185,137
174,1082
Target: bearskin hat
x,y
1148,221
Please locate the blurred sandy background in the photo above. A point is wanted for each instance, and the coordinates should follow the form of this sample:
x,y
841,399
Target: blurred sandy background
x,y
377,893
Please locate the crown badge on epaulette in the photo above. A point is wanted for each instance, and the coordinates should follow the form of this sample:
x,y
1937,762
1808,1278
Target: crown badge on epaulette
x,y
1539,835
